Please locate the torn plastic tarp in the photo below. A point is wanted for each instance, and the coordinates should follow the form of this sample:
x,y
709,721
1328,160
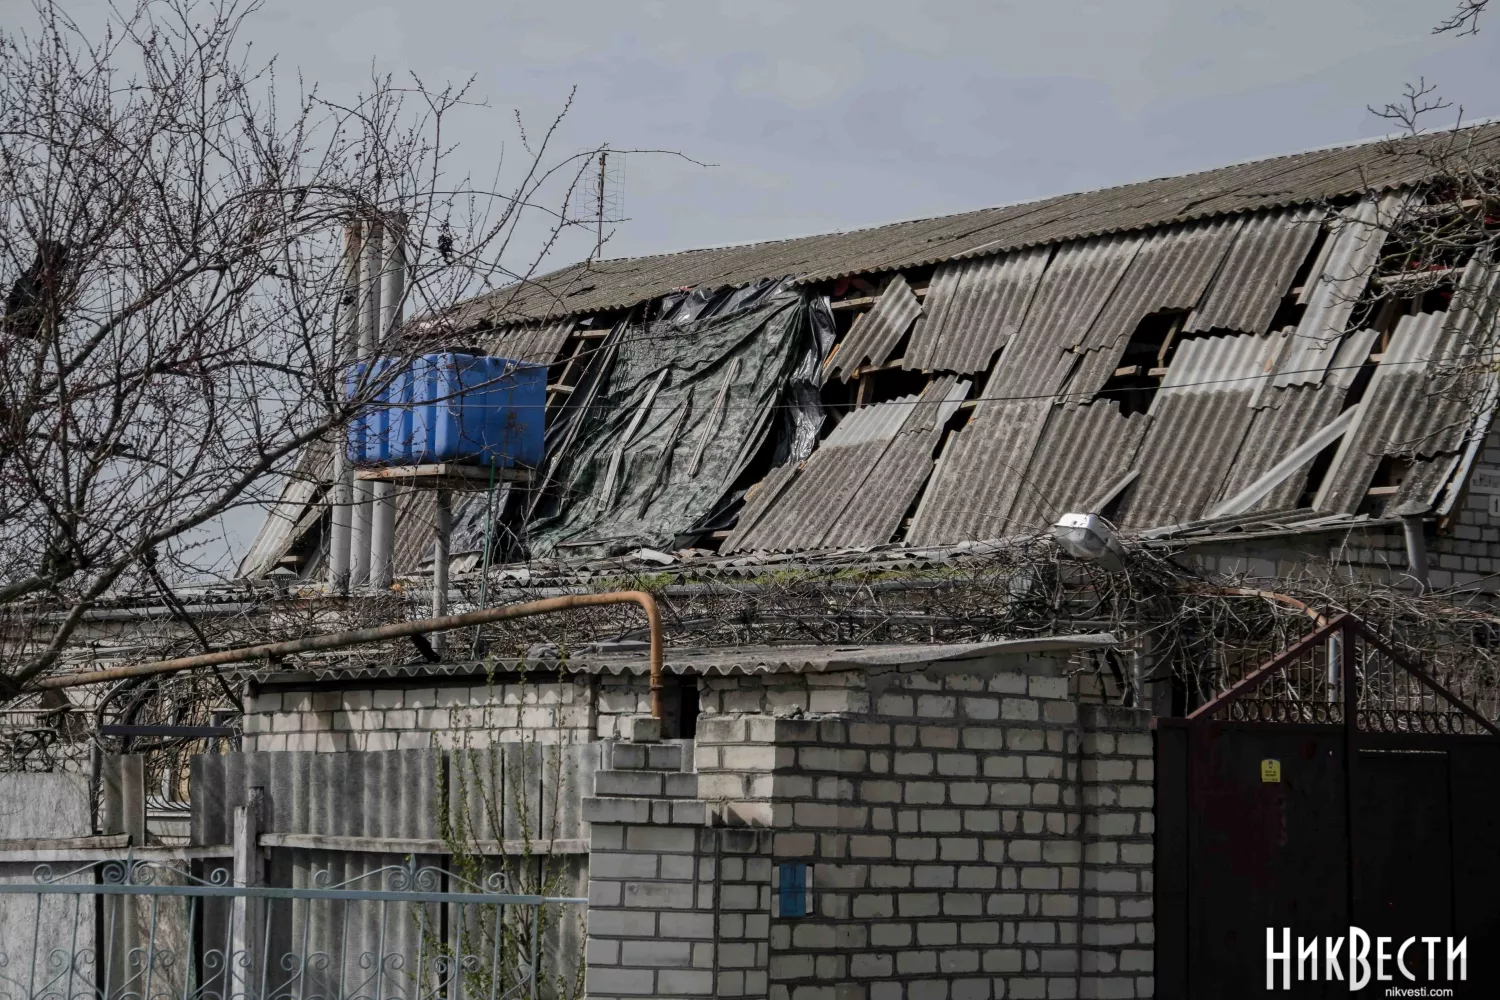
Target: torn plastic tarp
x,y
685,405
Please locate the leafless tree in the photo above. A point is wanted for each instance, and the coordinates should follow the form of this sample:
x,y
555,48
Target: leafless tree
x,y
1465,19
171,279
1443,245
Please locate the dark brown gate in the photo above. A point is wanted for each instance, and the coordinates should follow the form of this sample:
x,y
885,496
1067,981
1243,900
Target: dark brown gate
x,y
1336,785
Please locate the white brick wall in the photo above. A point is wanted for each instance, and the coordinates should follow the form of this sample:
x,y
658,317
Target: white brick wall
x,y
1464,554
956,846
654,886
396,718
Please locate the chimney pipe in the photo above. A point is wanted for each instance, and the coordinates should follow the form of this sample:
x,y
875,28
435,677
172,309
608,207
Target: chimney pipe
x,y
364,491
345,346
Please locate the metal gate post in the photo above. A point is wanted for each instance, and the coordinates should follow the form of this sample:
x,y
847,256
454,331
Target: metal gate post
x,y
1347,637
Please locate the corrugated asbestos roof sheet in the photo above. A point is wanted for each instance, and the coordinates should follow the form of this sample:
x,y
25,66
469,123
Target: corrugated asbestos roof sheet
x,y
1292,416
979,474
1257,273
974,307
886,492
761,499
1471,315
860,481
1406,412
1074,288
876,333
281,528
1354,249
1169,272
536,343
807,506
1083,452
1198,420
1297,179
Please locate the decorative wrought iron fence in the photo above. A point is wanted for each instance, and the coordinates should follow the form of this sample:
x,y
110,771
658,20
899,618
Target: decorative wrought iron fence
x,y
143,930
1343,672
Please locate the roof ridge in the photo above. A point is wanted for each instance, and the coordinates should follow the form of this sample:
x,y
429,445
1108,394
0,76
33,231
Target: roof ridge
x,y
1124,185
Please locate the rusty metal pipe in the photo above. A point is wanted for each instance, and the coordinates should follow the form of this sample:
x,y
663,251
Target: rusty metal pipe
x,y
398,630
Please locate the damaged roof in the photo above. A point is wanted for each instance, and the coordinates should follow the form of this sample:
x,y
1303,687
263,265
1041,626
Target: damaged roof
x,y
1169,353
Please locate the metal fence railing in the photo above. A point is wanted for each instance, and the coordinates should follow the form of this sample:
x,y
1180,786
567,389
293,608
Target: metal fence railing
x,y
144,930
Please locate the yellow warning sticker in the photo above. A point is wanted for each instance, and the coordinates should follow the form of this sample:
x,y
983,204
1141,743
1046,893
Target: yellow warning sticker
x,y
1270,770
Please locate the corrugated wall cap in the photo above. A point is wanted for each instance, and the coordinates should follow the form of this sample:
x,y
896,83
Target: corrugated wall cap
x,y
821,659
708,661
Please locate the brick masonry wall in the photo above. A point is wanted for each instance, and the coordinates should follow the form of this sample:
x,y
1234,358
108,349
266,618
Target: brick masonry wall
x,y
624,695
414,718
653,878
1465,553
1469,555
971,834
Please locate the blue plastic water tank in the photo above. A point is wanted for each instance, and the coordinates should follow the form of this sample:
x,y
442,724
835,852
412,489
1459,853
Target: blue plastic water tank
x,y
453,408
369,433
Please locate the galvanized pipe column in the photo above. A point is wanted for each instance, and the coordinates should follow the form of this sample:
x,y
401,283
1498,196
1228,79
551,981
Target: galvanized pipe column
x,y
392,290
345,349
442,531
369,337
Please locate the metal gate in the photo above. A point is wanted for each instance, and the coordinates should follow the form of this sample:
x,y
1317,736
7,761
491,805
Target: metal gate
x,y
1337,801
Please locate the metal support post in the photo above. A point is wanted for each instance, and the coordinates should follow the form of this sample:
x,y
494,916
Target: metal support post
x,y
1416,550
392,292
441,536
1335,658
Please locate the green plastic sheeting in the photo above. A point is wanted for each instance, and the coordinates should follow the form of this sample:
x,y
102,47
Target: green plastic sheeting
x,y
684,407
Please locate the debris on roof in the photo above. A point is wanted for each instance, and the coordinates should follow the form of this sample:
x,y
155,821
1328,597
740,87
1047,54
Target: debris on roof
x,y
859,483
1223,345
876,333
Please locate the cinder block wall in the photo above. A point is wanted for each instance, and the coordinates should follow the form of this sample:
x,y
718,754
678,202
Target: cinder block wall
x,y
419,715
971,833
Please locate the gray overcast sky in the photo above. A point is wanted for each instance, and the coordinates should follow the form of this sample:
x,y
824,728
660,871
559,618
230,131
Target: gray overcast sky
x,y
832,114
829,114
